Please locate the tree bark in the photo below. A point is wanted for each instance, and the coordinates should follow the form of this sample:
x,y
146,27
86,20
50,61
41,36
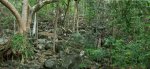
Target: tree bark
x,y
40,4
75,16
25,20
13,10
55,28
24,15
67,9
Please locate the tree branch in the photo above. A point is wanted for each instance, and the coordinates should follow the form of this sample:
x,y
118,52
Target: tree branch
x,y
13,10
40,4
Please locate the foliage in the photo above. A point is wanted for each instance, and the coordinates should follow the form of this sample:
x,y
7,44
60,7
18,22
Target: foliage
x,y
21,45
129,46
90,11
133,54
125,22
83,65
81,40
127,16
76,40
46,11
97,54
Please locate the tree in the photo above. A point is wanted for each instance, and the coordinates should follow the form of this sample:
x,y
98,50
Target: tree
x,y
76,15
24,20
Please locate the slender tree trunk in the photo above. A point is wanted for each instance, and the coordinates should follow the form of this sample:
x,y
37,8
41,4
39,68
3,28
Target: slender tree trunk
x,y
34,25
75,17
29,19
55,27
37,33
14,26
75,12
67,11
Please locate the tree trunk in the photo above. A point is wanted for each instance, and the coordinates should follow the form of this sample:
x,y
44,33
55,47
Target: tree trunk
x,y
24,16
55,28
25,20
66,11
75,17
14,12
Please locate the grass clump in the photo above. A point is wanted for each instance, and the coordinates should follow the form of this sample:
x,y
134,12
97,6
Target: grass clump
x,y
21,46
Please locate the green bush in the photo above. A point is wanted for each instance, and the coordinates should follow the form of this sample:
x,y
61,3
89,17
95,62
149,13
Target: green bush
x,y
124,55
96,54
76,40
130,45
21,45
83,65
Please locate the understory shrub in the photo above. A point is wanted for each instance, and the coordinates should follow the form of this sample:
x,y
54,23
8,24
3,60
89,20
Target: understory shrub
x,y
134,54
96,54
21,45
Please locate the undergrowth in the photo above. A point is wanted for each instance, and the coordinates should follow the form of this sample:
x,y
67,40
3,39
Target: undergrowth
x,y
20,45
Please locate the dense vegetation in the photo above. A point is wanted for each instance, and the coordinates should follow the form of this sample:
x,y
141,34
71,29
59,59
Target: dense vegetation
x,y
80,34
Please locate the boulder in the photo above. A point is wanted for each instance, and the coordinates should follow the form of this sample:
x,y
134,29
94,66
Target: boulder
x,y
71,61
40,46
50,64
3,41
48,46
41,41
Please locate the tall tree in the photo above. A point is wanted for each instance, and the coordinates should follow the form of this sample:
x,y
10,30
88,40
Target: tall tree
x,y
57,15
75,15
25,19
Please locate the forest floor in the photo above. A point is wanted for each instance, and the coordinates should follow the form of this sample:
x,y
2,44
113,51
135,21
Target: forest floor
x,y
44,57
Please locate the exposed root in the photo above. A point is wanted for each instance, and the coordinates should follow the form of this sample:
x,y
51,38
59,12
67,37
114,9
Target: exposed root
x,y
7,53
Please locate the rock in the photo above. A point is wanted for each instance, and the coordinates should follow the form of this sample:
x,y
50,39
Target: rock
x,y
46,35
71,61
3,40
40,46
41,41
29,66
48,46
62,54
50,64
